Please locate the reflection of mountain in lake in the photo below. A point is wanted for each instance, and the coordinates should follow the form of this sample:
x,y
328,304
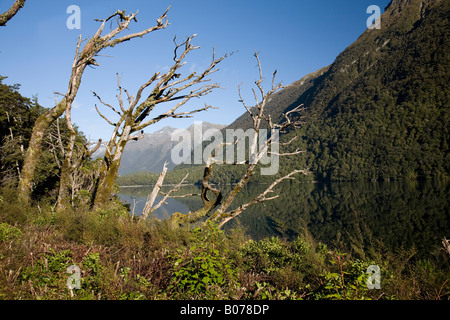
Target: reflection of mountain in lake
x,y
396,213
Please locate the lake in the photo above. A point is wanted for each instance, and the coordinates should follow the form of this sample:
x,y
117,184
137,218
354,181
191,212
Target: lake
x,y
400,214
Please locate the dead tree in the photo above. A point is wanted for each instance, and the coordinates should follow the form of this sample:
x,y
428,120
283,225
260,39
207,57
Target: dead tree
x,y
84,56
215,203
11,12
133,118
149,207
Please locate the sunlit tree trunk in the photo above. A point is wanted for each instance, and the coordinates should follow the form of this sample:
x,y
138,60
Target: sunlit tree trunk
x,y
34,149
109,171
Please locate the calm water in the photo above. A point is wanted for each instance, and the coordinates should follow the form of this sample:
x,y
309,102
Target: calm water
x,y
394,214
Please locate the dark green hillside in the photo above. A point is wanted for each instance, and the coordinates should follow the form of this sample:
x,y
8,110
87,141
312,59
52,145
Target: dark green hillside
x,y
382,108
380,111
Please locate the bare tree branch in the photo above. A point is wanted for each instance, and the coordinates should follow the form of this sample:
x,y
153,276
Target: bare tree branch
x,y
216,210
163,88
167,195
106,104
11,12
103,116
259,198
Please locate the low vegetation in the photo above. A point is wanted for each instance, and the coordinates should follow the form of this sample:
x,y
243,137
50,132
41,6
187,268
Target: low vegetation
x,y
123,258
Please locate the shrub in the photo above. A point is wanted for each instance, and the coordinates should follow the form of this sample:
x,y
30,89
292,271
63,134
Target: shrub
x,y
9,232
47,276
345,281
204,270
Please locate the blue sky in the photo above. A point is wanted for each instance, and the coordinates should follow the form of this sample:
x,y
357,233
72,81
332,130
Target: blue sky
x,y
294,37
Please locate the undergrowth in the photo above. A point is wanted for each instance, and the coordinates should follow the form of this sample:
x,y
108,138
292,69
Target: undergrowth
x,y
120,257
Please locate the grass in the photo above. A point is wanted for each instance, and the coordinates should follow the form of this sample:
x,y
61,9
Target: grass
x,y
123,258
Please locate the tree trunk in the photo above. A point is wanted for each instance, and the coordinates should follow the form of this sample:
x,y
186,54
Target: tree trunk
x,y
105,184
152,197
66,171
35,148
107,179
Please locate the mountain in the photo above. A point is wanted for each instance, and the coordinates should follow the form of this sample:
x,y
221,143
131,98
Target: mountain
x,y
380,110
150,152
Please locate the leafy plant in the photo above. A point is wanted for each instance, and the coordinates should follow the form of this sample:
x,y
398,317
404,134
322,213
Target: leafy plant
x,y
47,276
93,269
9,232
347,281
203,267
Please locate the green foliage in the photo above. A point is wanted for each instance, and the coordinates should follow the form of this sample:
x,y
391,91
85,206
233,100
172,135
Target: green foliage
x,y
204,269
84,226
47,274
18,115
345,281
11,211
292,267
266,291
93,269
151,260
269,255
9,232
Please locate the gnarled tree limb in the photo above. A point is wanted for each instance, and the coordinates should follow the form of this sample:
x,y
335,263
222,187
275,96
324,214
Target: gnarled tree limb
x,y
11,12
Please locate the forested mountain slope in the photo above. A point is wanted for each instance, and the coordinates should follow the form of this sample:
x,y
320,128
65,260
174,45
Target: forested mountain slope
x,y
380,111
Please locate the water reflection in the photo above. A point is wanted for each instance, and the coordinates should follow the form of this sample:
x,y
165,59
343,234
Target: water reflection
x,y
407,213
